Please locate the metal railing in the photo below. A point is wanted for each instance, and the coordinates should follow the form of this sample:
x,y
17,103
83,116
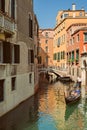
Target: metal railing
x,y
7,23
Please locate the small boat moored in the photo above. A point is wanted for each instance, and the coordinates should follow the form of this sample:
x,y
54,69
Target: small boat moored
x,y
74,97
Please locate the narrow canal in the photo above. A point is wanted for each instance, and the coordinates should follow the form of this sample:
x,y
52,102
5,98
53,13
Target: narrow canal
x,y
46,110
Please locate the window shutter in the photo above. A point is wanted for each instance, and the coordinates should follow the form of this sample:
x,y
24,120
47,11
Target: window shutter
x,y
6,52
16,54
1,90
30,27
32,56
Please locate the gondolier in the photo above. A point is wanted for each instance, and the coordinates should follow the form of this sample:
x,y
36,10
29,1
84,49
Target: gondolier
x,y
79,80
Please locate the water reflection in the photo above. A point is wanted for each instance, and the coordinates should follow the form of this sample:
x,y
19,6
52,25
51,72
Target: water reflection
x,y
47,111
21,117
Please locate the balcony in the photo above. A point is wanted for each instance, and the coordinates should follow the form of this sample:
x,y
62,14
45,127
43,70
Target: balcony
x,y
71,61
6,24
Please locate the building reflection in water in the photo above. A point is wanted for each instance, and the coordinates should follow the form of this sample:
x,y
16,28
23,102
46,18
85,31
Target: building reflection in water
x,y
52,105
21,117
46,111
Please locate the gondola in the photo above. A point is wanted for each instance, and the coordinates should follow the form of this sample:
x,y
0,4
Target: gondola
x,y
73,98
65,79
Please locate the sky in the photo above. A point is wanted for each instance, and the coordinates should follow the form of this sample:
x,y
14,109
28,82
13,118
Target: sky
x,y
47,10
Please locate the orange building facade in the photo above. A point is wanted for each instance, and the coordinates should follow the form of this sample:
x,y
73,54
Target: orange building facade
x,y
76,45
64,20
45,58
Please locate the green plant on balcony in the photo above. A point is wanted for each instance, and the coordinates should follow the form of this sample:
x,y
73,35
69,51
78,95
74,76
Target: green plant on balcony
x,y
71,60
76,60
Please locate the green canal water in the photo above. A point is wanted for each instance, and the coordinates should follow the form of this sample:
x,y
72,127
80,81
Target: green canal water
x,y
47,110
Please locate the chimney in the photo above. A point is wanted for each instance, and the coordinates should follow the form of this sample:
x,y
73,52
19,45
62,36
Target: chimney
x,y
73,6
82,8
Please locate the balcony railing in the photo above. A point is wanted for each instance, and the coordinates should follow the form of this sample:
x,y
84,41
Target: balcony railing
x,y
6,23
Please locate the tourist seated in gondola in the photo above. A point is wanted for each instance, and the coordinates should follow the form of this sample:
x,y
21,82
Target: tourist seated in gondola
x,y
75,92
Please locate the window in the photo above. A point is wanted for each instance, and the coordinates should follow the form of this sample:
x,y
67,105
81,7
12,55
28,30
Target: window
x,y
63,54
16,54
58,56
2,5
13,83
72,56
46,41
46,59
13,9
70,41
73,40
30,56
30,27
78,38
85,37
46,34
66,15
55,56
30,78
1,90
58,42
80,14
39,60
46,48
9,53
77,55
6,52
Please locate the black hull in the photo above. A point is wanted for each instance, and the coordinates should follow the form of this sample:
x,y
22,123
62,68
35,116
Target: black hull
x,y
70,99
65,79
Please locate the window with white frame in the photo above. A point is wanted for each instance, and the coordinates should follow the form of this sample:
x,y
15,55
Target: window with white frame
x,y
85,37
